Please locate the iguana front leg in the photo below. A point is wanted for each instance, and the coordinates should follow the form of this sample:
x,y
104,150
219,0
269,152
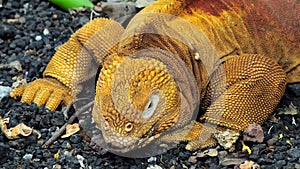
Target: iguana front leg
x,y
253,87
98,38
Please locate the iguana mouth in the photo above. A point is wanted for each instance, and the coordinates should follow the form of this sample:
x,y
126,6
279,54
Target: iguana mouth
x,y
136,143
150,132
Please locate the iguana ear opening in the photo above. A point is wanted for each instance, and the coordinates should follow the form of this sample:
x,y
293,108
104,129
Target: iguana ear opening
x,y
150,107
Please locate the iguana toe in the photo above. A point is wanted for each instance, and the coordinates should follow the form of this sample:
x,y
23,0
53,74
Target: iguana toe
x,y
17,92
42,96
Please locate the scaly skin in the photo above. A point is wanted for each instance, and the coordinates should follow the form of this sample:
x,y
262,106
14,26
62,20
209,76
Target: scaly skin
x,y
241,54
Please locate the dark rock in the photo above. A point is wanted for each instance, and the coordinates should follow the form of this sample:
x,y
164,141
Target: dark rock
x,y
261,146
57,119
20,43
280,163
292,165
295,142
294,153
4,149
7,31
45,120
253,133
48,23
267,167
294,88
2,138
15,4
76,138
265,161
47,153
36,45
279,156
13,45
255,153
65,145
280,148
272,141
98,161
22,142
31,25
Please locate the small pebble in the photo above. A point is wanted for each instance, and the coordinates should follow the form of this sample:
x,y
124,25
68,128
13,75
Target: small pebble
x,y
22,20
80,160
27,156
151,159
154,167
46,31
26,5
56,166
38,38
67,153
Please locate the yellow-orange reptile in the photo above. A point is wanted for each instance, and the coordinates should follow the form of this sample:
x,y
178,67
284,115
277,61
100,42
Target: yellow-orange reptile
x,y
230,58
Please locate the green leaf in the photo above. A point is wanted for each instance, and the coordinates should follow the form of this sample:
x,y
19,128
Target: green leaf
x,y
68,4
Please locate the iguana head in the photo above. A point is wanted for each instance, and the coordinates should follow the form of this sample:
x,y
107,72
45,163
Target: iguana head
x,y
137,99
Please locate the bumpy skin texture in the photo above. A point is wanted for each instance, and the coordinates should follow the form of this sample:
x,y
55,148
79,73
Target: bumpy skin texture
x,y
256,47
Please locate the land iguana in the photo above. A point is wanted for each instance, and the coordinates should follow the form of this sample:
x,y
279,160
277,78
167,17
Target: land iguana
x,y
230,58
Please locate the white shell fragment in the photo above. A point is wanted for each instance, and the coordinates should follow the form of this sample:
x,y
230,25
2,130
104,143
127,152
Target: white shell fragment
x,y
71,129
17,131
291,110
226,138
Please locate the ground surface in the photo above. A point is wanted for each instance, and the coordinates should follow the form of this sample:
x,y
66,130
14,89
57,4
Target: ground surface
x,y
29,32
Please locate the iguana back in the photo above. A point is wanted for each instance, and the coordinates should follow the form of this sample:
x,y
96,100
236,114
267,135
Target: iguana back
x,y
267,27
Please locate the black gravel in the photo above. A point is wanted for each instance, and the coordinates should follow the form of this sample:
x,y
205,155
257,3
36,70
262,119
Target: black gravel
x,y
22,37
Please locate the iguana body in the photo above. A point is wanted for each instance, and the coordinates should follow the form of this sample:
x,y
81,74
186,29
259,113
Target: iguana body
x,y
253,45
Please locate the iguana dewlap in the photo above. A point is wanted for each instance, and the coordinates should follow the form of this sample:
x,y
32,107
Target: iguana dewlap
x,y
237,55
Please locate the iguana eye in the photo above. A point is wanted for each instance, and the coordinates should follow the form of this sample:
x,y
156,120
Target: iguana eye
x,y
150,107
128,127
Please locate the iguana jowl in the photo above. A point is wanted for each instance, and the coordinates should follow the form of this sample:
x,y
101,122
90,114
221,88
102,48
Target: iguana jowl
x,y
255,49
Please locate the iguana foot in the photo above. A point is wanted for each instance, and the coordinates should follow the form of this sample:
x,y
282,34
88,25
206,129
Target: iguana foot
x,y
198,135
202,136
47,91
